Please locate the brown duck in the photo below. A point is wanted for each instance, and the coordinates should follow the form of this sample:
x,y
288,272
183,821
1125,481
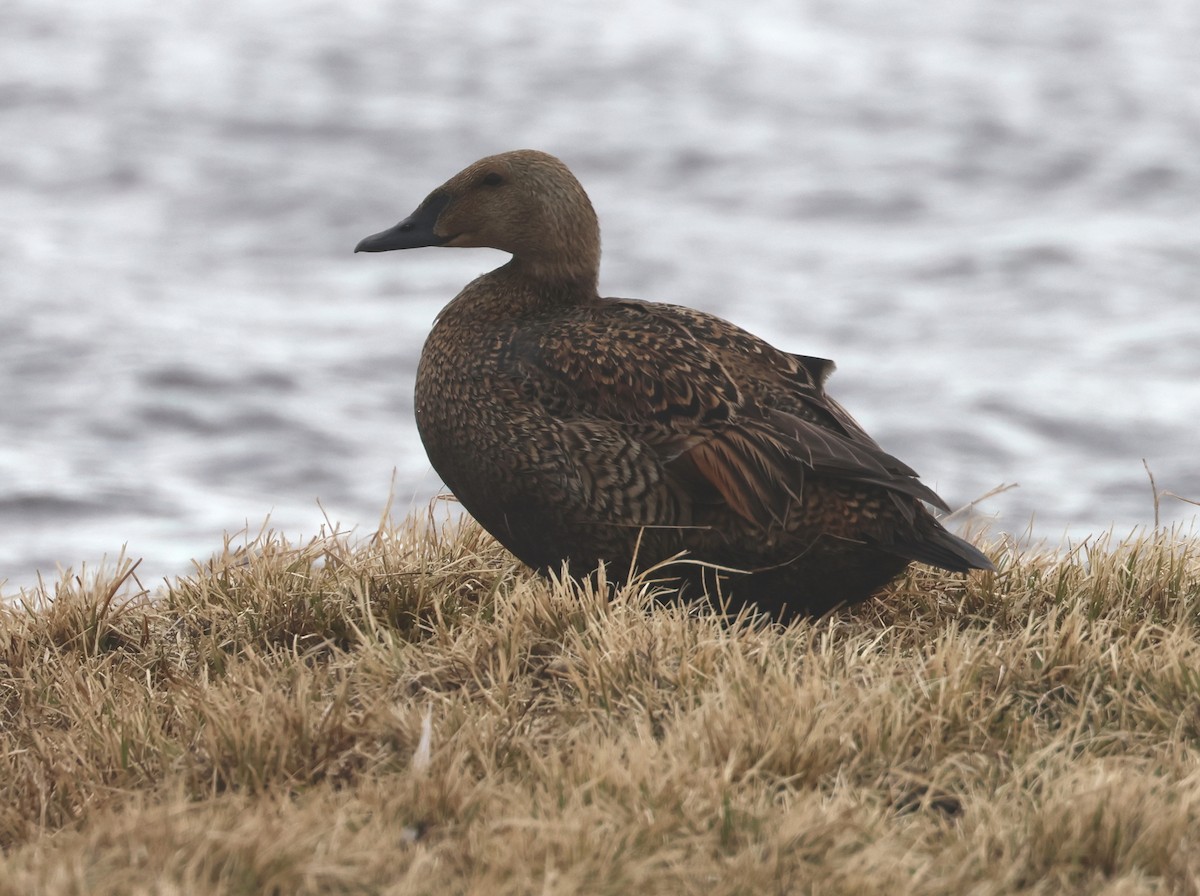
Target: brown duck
x,y
586,429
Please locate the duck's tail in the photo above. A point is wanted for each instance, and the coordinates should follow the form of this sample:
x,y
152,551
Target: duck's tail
x,y
943,549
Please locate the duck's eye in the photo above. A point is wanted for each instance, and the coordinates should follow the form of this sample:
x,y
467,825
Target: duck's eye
x,y
493,179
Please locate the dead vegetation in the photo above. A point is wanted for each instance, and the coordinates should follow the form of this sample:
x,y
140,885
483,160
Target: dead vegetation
x,y
417,714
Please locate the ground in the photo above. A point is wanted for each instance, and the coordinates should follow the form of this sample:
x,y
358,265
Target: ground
x,y
416,713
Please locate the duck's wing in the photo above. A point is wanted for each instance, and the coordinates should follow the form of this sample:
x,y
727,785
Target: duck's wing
x,y
729,417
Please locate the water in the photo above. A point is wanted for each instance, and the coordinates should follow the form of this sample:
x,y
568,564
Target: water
x,y
987,212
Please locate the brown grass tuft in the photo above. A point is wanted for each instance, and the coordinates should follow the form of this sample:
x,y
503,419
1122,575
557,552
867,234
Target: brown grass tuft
x,y
418,714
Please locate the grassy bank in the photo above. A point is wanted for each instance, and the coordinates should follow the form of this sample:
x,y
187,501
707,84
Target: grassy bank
x,y
419,715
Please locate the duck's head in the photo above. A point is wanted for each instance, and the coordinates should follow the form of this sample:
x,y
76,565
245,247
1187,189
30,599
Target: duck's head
x,y
524,202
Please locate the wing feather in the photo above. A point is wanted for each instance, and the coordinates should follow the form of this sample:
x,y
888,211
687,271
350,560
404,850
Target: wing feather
x,y
724,412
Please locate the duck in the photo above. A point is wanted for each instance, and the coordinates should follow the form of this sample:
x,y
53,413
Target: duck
x,y
645,438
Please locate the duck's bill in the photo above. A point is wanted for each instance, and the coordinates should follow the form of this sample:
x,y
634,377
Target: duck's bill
x,y
413,232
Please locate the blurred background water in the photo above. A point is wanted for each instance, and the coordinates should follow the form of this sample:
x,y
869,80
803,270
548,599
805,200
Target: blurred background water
x,y
987,211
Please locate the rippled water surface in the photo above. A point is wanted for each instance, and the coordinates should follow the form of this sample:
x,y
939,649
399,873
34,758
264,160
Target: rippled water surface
x,y
987,212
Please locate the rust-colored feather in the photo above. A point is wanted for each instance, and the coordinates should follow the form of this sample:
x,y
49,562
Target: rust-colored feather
x,y
756,477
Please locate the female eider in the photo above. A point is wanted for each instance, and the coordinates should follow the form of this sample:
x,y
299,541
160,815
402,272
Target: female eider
x,y
580,429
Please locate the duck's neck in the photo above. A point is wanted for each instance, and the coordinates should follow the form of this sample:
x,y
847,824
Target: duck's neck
x,y
521,287
555,273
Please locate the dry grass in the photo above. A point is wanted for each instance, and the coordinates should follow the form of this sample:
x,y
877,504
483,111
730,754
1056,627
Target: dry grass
x,y
258,728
